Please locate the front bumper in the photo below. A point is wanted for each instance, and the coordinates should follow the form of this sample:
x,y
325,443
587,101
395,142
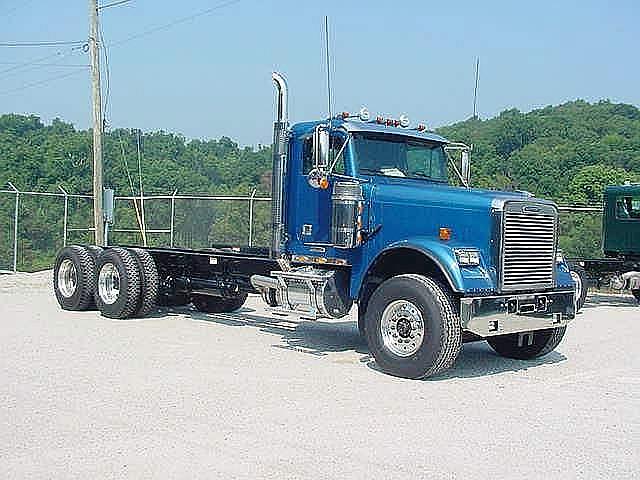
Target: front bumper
x,y
499,315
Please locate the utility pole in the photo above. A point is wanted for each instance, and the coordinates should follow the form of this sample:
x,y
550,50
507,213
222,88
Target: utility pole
x,y
94,52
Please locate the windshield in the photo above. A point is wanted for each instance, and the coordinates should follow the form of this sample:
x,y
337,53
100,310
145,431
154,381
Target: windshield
x,y
396,156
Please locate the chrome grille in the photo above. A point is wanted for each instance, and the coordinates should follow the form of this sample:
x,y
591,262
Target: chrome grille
x,y
528,246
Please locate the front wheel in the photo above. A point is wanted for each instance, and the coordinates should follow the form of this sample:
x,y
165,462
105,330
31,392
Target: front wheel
x,y
527,345
412,326
636,293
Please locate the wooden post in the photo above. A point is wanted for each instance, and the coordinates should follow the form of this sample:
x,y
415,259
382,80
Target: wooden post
x,y
98,216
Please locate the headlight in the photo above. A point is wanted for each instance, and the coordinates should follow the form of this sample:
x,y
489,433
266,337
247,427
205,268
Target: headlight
x,y
467,257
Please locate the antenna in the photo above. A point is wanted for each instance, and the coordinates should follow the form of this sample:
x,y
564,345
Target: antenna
x,y
475,90
326,34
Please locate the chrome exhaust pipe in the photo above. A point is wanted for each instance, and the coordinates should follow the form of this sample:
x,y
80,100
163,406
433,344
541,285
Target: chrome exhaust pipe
x,y
279,148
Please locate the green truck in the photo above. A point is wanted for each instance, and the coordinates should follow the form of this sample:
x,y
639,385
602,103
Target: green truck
x,y
620,269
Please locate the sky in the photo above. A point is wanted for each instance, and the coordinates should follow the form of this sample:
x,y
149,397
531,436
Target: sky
x,y
210,76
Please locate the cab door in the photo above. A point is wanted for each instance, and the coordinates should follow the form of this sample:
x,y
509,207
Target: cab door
x,y
309,208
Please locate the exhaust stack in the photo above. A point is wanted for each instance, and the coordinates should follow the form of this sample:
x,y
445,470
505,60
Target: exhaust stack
x,y
280,129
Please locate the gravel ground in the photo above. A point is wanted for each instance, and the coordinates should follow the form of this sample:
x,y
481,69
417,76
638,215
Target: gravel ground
x,y
253,395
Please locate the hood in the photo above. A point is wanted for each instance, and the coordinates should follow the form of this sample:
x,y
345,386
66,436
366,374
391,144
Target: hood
x,y
420,192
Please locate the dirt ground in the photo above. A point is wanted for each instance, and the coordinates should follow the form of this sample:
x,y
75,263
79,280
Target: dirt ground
x,y
255,395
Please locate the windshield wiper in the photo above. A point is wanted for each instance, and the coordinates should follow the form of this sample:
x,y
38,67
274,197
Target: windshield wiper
x,y
424,175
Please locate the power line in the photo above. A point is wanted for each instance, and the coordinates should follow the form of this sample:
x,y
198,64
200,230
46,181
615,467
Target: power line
x,y
38,66
41,82
113,4
107,77
75,65
175,22
41,44
38,60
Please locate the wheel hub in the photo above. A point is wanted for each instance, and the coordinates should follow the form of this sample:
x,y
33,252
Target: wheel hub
x,y
109,283
402,328
67,278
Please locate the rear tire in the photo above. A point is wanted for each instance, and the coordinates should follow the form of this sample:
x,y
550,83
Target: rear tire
x,y
636,293
94,251
149,282
544,342
581,280
74,278
209,304
118,291
412,327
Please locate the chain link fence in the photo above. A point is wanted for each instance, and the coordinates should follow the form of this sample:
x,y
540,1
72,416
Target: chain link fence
x,y
35,225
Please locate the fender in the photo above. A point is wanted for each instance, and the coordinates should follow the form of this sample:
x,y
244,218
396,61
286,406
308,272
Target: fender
x,y
460,280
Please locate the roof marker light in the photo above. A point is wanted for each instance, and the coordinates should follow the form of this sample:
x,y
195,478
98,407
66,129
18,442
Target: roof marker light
x,y
404,121
421,127
379,120
344,115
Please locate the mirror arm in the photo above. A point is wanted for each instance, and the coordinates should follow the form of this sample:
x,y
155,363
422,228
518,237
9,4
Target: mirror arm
x,y
458,146
455,169
335,161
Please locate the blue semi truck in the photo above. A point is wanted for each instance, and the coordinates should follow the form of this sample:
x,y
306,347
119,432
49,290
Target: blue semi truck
x,y
363,212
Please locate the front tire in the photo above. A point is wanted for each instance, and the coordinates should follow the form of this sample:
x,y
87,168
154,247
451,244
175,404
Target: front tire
x,y
362,329
118,291
516,345
636,293
412,327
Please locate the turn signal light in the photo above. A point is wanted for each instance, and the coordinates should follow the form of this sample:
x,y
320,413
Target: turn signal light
x,y
324,183
445,233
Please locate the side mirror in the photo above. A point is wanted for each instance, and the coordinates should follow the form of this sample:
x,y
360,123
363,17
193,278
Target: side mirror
x,y
321,148
466,166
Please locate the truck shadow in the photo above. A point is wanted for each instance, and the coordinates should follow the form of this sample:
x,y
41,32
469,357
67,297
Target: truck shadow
x,y
477,359
609,300
311,337
324,338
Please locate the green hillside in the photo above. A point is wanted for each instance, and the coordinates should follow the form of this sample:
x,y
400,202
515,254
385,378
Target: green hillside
x,y
567,153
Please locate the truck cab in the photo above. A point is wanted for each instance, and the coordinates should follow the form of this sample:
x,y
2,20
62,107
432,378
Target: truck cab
x,y
621,221
620,267
364,212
